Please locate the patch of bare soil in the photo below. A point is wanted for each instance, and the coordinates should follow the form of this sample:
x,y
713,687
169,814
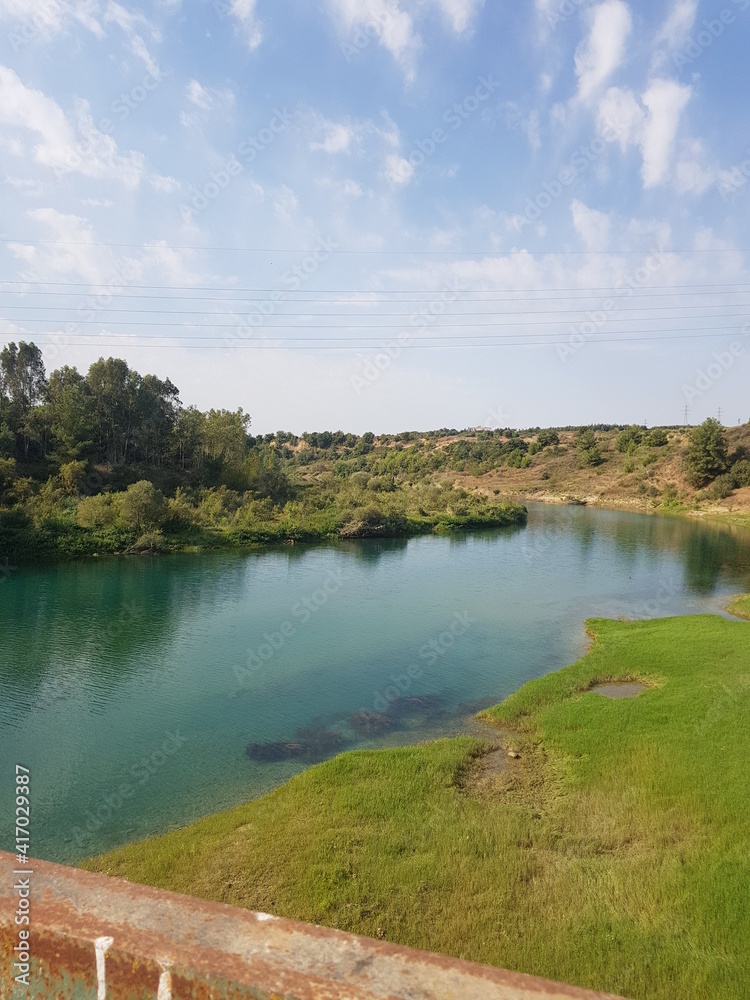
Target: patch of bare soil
x,y
619,689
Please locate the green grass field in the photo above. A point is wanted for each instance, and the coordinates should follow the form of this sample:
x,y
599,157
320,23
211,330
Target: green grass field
x,y
613,854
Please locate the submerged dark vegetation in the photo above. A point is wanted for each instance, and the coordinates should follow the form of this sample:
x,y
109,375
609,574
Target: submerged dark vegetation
x,y
315,743
111,461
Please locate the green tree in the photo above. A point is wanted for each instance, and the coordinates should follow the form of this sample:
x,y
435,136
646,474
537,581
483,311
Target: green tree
x,y
143,507
7,478
706,456
656,438
114,391
7,441
157,404
190,432
225,435
547,437
23,376
264,476
587,446
629,439
71,477
71,414
24,384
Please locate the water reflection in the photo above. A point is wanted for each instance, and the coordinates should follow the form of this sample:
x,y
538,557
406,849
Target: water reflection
x,y
708,551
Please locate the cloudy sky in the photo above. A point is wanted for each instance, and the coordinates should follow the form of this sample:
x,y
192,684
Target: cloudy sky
x,y
386,214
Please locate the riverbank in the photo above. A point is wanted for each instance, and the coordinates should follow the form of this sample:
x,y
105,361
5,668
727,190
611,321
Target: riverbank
x,y
280,488
740,606
635,477
608,825
22,541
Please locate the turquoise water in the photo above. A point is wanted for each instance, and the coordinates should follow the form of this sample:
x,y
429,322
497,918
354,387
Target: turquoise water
x,y
130,687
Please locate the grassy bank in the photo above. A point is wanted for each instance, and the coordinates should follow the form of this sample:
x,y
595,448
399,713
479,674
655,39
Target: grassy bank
x,y
613,853
740,606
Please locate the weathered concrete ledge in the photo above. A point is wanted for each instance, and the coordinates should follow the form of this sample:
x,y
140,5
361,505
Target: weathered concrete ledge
x,y
97,937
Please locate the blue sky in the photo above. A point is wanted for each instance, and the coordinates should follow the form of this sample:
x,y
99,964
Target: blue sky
x,y
386,214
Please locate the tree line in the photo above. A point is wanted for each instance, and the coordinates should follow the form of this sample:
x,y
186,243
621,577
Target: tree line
x,y
112,415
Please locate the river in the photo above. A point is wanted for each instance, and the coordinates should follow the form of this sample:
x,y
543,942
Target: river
x,y
131,686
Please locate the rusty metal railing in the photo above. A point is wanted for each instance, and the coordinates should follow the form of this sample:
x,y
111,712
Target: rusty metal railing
x,y
91,936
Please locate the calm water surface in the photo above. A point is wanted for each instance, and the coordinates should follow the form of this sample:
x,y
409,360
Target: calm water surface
x,y
131,687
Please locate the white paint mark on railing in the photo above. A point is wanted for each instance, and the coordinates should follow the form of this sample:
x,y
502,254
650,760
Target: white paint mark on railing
x,y
101,947
165,980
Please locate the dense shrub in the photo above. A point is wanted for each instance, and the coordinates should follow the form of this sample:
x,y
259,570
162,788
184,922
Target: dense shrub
x,y
143,507
628,439
150,541
740,473
547,437
99,511
656,438
720,488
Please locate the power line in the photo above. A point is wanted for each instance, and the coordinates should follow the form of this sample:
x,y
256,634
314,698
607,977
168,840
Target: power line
x,y
369,302
363,326
352,344
362,291
368,252
203,313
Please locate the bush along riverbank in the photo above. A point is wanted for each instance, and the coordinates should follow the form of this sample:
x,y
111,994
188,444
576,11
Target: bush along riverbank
x,y
599,842
142,520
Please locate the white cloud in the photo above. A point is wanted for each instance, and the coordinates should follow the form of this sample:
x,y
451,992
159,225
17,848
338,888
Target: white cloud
x,y
665,101
619,109
398,171
391,23
592,226
244,13
460,13
692,176
650,125
206,98
347,189
167,185
528,124
44,20
170,266
132,23
359,21
77,252
83,149
679,23
601,53
531,128
285,205
22,251
337,137
370,141
198,95
32,187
